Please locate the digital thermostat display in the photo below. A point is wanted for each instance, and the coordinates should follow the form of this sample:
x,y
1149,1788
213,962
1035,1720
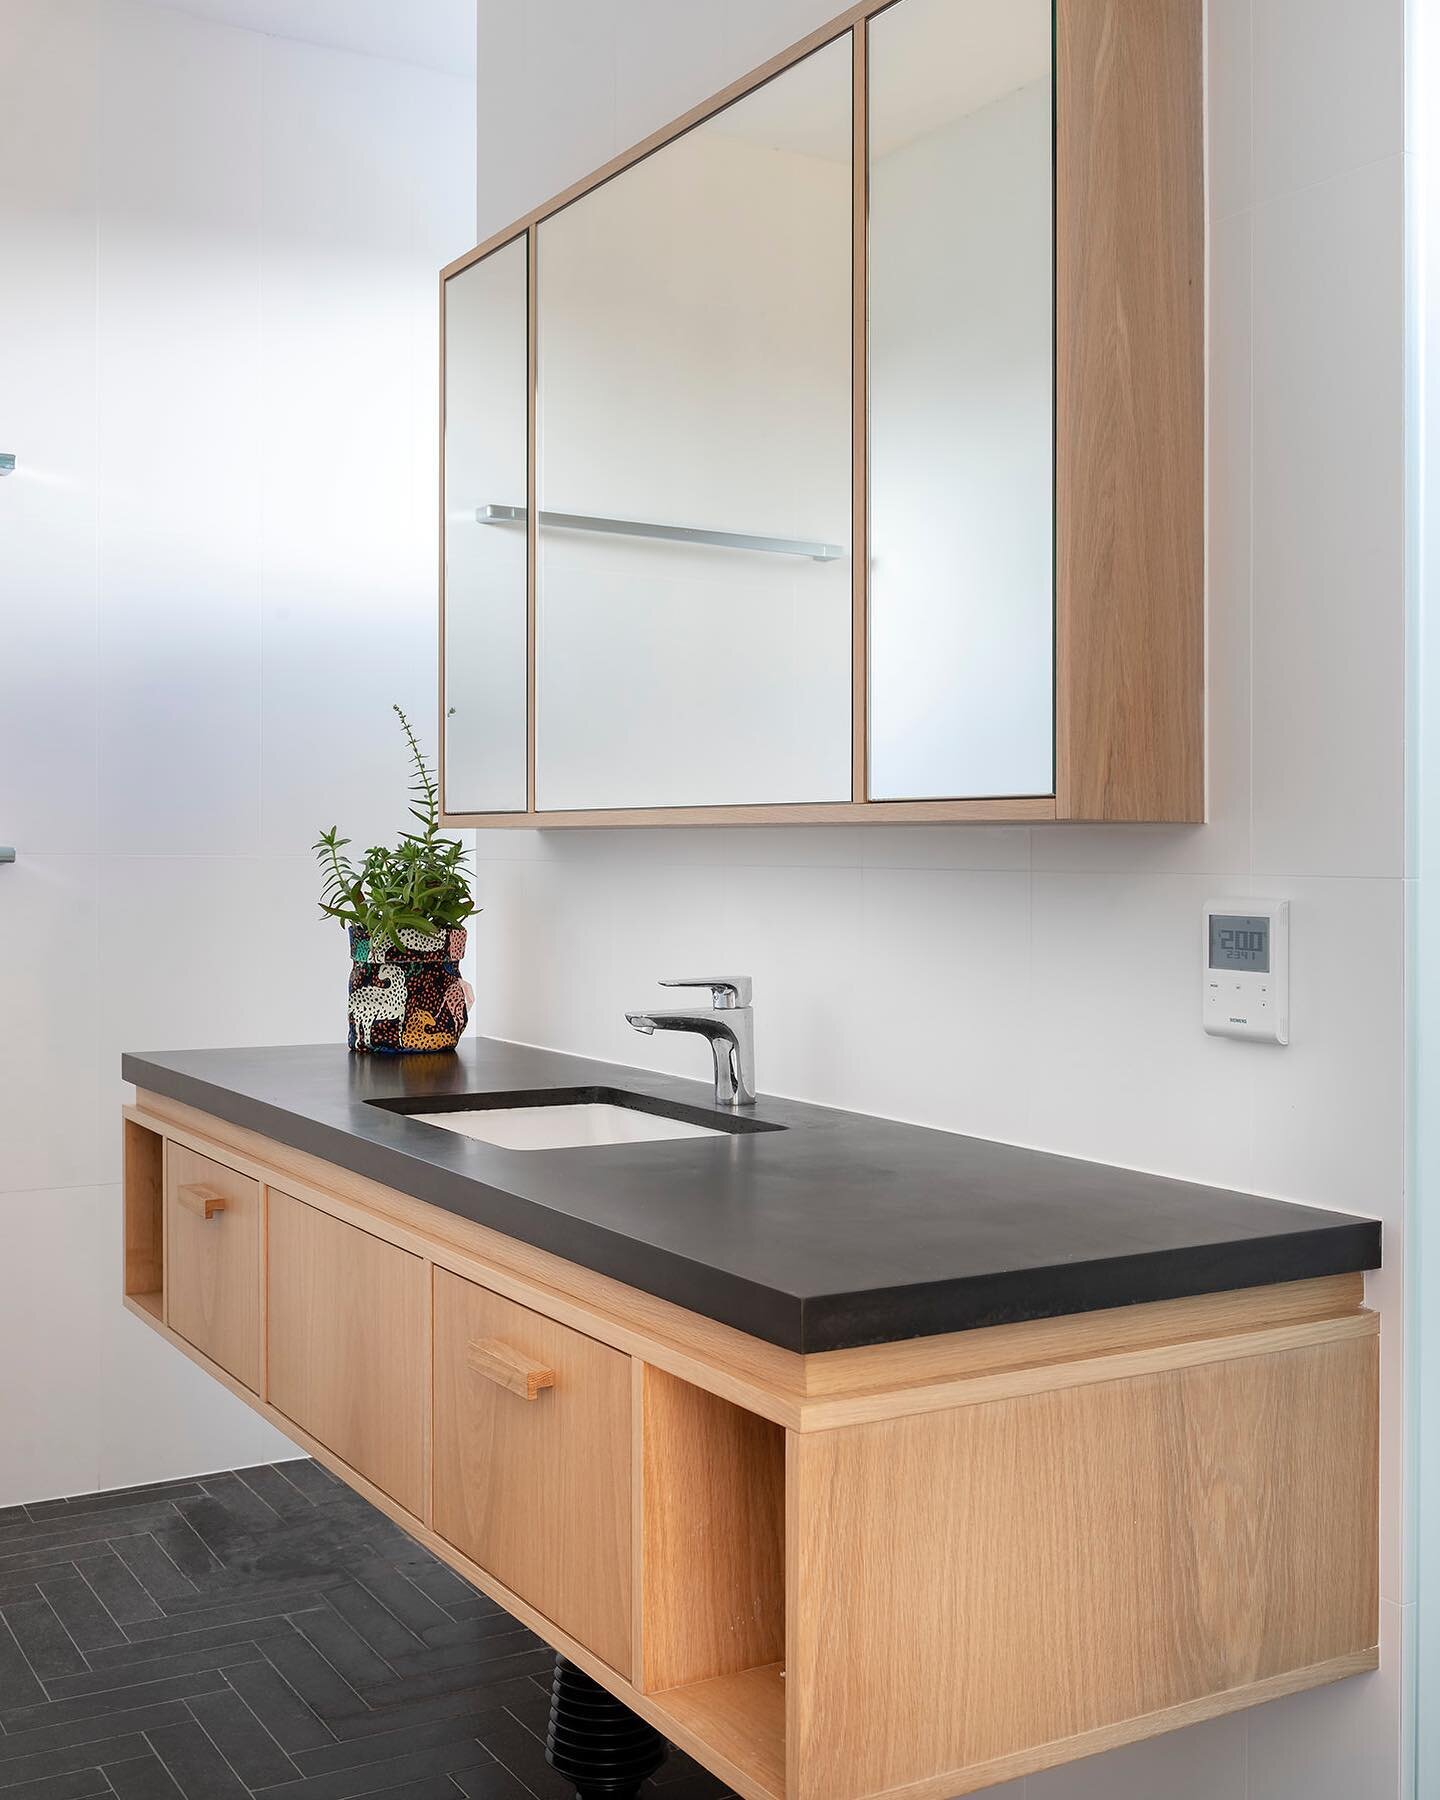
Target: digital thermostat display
x,y
1240,941
1246,985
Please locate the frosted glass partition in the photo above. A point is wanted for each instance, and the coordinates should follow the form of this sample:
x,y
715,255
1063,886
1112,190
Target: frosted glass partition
x,y
694,373
486,454
961,400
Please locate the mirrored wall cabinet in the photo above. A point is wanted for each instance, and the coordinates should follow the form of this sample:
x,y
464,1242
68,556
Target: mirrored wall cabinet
x,y
837,453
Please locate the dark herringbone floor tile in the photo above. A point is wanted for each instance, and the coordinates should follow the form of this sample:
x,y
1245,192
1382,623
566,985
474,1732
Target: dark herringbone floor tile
x,y
261,1632
79,1609
142,1778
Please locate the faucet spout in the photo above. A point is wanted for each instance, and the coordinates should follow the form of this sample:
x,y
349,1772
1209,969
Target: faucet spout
x,y
730,1032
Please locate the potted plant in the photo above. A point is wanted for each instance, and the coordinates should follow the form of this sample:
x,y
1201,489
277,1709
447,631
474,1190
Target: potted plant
x,y
405,907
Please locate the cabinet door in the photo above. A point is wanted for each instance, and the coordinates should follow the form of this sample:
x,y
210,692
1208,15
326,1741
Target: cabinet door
x,y
962,395
213,1264
487,396
535,1489
693,612
347,1329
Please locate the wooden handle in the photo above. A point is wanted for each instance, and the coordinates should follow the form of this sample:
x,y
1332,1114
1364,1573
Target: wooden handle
x,y
206,1201
508,1368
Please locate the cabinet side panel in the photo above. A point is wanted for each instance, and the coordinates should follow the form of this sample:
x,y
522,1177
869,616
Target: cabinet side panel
x,y
144,1210
1130,398
1003,1578
713,1536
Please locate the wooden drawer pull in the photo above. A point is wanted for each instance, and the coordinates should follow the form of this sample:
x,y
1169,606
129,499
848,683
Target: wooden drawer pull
x,y
206,1201
507,1368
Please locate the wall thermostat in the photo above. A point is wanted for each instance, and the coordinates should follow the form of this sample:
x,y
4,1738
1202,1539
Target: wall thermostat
x,y
1247,969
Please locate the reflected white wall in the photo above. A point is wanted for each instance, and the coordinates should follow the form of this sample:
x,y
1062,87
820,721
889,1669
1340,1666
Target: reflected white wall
x,y
487,413
217,571
694,351
961,446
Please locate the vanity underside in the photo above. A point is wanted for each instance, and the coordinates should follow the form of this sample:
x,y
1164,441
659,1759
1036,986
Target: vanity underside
x,y
919,1568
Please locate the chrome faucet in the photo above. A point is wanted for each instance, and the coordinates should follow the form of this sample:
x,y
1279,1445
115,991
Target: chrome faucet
x,y
729,1025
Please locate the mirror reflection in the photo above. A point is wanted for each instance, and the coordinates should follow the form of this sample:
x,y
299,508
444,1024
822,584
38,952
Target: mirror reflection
x,y
961,399
485,457
694,621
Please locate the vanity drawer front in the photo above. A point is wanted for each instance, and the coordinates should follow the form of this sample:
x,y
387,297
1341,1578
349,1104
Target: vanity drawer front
x,y
348,1332
535,1490
212,1261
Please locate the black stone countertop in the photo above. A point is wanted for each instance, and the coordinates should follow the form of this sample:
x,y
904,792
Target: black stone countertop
x,y
840,1229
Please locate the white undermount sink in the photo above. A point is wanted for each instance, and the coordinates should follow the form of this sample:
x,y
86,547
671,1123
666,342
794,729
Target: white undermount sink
x,y
588,1123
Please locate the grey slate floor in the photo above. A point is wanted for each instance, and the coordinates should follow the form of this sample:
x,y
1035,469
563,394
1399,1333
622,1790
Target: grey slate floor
x,y
262,1632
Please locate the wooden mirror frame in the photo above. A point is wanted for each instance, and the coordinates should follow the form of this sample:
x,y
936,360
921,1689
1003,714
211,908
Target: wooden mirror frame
x,y
1129,432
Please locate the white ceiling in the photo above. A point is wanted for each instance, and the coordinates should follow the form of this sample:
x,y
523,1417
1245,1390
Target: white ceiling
x,y
437,34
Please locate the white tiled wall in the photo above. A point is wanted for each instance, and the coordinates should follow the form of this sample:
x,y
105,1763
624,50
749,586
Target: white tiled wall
x,y
951,976
217,571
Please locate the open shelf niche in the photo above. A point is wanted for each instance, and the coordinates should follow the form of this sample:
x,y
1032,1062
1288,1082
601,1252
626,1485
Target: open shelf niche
x,y
145,1218
712,1598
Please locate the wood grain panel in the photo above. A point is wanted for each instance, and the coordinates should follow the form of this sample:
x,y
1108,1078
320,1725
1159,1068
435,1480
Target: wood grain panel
x,y
537,1492
349,1344
1117,1365
1021,810
997,1579
212,1285
144,1209
712,1536
1130,410
1034,1343
740,1719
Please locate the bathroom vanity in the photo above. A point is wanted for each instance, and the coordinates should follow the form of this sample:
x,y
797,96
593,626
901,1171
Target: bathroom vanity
x,y
859,1459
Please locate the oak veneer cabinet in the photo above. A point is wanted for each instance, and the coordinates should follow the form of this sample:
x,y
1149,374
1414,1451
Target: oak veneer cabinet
x,y
915,1569
953,355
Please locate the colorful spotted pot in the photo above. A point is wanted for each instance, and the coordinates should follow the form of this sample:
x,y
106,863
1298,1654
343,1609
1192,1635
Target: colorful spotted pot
x,y
408,999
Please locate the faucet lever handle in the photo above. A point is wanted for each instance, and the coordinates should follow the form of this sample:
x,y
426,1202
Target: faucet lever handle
x,y
726,991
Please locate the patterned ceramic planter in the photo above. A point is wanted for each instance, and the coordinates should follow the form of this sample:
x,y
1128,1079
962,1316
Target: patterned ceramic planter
x,y
408,999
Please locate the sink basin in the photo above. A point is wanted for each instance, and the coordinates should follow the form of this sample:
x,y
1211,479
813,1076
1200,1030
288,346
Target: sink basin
x,y
563,1127
571,1118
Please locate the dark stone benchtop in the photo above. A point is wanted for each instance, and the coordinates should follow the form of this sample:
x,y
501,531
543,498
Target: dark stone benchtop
x,y
841,1229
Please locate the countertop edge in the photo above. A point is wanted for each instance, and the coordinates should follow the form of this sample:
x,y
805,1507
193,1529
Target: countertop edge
x,y
1350,1247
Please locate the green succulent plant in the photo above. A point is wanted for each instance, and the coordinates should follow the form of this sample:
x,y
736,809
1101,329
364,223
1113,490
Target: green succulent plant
x,y
420,884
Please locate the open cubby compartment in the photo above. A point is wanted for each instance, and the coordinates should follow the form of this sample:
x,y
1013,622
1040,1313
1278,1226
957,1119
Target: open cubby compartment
x,y
712,1574
145,1218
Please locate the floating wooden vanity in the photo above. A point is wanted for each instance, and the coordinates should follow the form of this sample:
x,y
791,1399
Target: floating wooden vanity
x,y
912,1568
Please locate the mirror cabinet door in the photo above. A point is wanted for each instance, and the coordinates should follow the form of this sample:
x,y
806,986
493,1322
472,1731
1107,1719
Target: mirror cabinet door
x,y
961,388
486,456
694,346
